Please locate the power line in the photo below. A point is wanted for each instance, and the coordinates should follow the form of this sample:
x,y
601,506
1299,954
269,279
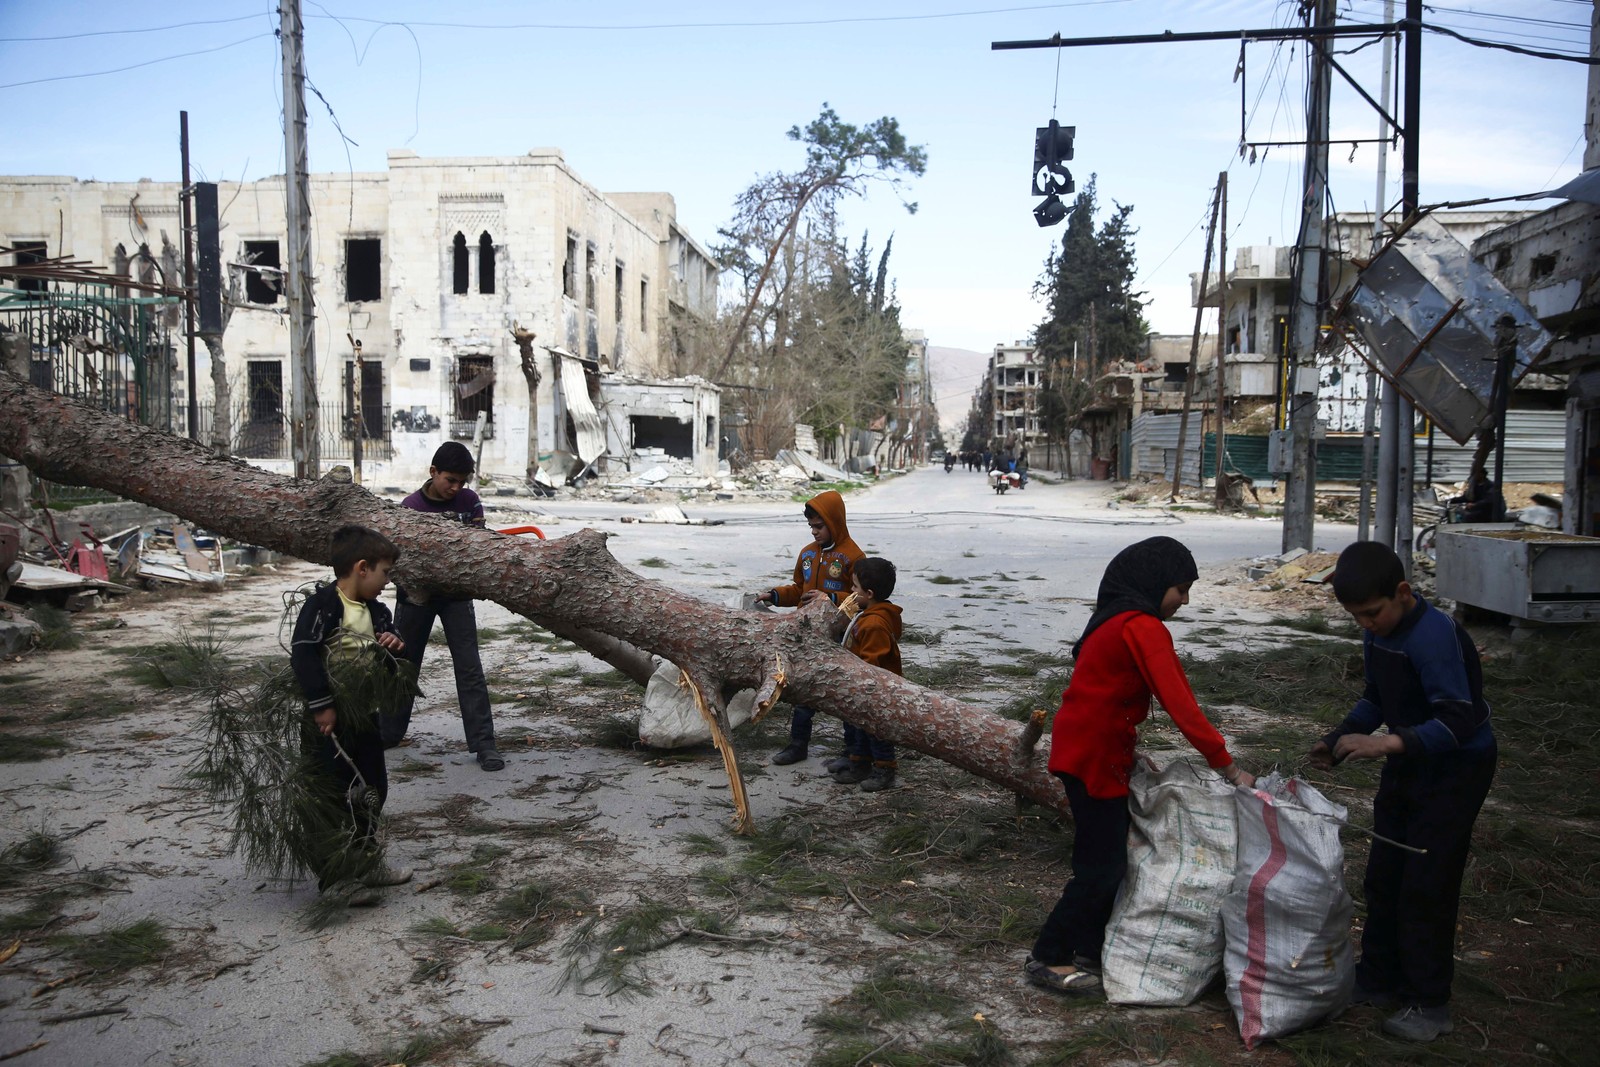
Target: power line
x,y
141,29
1535,53
136,66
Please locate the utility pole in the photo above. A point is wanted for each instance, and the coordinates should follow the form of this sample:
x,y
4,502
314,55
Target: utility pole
x,y
1220,492
306,445
1369,423
1194,346
1410,162
187,224
1299,503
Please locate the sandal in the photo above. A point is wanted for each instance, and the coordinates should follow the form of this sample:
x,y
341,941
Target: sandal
x,y
1077,980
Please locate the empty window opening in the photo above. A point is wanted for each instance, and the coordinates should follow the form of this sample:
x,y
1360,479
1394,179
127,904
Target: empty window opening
x,y
474,390
619,294
363,270
644,305
458,258
1538,267
147,266
30,252
485,263
673,437
590,280
711,431
262,287
264,390
569,269
372,420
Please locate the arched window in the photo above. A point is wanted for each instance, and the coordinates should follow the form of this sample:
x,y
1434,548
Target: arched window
x,y
459,253
485,263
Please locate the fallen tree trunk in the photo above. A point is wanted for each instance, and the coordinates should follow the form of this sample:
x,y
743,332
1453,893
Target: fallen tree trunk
x,y
571,585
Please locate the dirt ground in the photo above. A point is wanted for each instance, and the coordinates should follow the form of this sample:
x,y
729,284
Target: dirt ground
x,y
588,905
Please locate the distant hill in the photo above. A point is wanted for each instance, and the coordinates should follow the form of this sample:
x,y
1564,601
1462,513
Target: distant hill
x,y
956,373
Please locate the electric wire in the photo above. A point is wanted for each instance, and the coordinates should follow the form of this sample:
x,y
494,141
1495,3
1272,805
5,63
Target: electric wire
x,y
140,29
136,66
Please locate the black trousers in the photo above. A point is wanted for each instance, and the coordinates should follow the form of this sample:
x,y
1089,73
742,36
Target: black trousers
x,y
1076,926
335,776
415,624
1408,945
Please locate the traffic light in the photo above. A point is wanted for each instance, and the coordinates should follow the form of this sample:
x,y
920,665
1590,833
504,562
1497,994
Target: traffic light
x,y
1052,146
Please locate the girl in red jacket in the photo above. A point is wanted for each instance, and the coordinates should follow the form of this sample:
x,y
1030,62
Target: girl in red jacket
x,y
1124,657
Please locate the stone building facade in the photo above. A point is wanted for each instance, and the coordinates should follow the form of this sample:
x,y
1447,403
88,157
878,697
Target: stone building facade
x,y
429,264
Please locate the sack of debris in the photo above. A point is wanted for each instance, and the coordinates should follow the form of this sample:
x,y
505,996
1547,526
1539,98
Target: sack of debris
x,y
1289,960
1164,942
670,718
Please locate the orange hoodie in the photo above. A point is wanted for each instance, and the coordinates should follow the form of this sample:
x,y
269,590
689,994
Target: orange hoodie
x,y
823,568
874,635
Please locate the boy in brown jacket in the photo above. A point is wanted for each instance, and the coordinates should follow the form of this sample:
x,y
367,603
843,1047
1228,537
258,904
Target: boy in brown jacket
x,y
823,568
874,635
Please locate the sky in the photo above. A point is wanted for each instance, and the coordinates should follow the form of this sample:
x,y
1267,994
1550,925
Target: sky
x,y
695,97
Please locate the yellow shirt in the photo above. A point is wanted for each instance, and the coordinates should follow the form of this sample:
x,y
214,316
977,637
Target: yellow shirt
x,y
355,630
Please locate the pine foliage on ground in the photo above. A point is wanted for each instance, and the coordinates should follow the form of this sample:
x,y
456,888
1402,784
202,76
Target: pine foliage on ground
x,y
258,765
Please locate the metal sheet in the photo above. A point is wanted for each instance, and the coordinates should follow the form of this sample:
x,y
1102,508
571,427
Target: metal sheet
x,y
591,443
1406,296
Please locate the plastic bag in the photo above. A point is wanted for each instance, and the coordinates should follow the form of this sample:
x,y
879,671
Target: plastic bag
x,y
670,718
1289,960
1164,942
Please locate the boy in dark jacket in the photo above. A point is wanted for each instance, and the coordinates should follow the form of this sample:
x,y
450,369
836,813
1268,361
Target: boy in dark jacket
x,y
1425,683
874,635
822,569
445,493
344,621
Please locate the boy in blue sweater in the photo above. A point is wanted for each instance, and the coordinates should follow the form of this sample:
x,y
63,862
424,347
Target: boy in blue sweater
x,y
1425,683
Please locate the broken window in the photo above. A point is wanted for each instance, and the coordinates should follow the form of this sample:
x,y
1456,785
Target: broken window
x,y
589,278
485,263
569,269
711,431
673,437
363,270
27,252
372,417
458,258
474,391
262,287
644,304
619,293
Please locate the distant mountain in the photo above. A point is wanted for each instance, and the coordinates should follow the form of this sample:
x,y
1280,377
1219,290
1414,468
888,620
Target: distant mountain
x,y
956,373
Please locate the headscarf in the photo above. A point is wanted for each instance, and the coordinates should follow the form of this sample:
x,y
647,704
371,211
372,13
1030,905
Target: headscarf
x,y
1137,578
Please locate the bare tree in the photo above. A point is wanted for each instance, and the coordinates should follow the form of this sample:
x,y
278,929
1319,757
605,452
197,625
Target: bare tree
x,y
570,585
530,374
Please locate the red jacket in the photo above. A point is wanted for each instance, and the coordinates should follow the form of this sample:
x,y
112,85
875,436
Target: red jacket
x,y
825,569
874,635
1121,665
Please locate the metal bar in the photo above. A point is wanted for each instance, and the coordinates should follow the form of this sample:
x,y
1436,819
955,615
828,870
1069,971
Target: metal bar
x,y
1273,34
1334,63
1417,351
1303,142
185,199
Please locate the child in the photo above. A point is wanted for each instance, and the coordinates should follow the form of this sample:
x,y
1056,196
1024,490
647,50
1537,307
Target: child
x,y
445,493
343,621
874,635
822,569
1123,657
1424,682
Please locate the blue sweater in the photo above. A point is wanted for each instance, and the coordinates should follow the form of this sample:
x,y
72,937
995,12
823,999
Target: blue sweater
x,y
1425,683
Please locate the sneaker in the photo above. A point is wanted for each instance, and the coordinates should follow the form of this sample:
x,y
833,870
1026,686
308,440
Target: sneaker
x,y
854,774
793,752
363,897
1084,963
1074,981
878,779
837,763
1417,1023
491,760
385,875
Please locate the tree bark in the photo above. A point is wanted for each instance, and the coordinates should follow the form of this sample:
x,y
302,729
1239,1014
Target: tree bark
x,y
571,585
530,374
221,398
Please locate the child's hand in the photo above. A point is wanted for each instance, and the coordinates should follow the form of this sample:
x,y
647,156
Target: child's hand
x,y
1367,746
764,597
1320,756
391,641
812,596
325,719
1238,776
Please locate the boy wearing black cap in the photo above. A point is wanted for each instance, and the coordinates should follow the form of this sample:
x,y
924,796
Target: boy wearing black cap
x,y
445,493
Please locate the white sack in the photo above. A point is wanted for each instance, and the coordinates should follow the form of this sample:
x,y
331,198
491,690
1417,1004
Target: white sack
x,y
670,718
1289,961
1164,943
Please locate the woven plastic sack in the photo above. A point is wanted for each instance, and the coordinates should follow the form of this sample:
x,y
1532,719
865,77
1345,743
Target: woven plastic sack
x,y
670,718
1164,942
1289,960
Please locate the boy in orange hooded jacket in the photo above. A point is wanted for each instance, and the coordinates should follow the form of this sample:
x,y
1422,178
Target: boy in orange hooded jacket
x,y
874,635
823,568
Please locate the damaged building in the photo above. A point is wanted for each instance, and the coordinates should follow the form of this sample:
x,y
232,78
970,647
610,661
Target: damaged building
x,y
431,265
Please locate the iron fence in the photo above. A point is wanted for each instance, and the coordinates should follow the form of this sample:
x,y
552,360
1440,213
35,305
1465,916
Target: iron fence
x,y
261,432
